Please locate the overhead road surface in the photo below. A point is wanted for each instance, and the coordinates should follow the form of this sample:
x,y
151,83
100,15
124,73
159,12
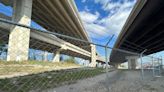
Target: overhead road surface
x,y
59,16
46,42
142,30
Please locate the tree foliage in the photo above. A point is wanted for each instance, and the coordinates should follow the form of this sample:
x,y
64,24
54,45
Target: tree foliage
x,y
70,60
2,45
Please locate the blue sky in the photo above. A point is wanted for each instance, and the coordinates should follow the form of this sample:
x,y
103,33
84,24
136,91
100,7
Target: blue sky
x,y
5,10
101,18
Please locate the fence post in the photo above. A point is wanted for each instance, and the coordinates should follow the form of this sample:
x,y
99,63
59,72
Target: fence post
x,y
159,66
142,71
153,67
106,59
106,53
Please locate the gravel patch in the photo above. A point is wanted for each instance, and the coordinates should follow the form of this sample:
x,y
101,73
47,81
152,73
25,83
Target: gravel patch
x,y
116,81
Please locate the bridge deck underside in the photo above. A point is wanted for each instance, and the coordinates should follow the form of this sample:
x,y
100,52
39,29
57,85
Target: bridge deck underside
x,y
60,16
145,32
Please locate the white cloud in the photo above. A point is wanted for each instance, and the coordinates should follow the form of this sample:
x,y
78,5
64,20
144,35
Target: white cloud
x,y
89,17
108,5
112,24
83,1
104,2
91,24
86,8
95,30
115,22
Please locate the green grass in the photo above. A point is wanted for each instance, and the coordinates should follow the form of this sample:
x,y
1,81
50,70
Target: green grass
x,y
46,80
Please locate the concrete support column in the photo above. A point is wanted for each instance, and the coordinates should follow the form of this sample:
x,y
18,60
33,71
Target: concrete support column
x,y
132,62
18,46
93,56
116,66
98,64
56,56
45,56
104,65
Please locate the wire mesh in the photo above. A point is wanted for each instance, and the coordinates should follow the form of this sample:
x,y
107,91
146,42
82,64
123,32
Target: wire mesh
x,y
30,61
34,68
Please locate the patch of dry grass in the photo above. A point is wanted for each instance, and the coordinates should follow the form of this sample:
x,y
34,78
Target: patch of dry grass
x,y
47,79
10,69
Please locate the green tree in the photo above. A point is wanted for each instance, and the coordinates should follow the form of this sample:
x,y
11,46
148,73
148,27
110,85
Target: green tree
x,y
1,47
70,60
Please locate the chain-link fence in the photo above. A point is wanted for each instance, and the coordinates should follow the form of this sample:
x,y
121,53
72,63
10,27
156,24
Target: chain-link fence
x,y
33,60
39,71
153,64
147,64
39,60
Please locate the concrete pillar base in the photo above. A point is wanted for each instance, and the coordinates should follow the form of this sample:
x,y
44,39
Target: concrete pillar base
x,y
132,62
93,56
116,66
92,64
45,56
18,46
56,56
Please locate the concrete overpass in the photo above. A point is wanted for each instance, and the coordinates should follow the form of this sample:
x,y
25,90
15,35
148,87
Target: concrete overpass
x,y
59,15
142,30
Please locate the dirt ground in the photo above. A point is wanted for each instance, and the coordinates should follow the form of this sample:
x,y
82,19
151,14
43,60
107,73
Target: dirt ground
x,y
116,81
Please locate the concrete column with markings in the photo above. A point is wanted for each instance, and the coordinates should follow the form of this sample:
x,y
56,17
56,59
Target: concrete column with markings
x,y
19,37
93,56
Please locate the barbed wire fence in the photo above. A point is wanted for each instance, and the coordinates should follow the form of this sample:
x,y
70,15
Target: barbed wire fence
x,y
45,75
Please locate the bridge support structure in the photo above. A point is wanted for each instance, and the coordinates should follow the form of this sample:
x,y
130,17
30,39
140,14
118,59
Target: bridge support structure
x,y
45,56
132,62
19,37
93,56
56,56
98,64
57,53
